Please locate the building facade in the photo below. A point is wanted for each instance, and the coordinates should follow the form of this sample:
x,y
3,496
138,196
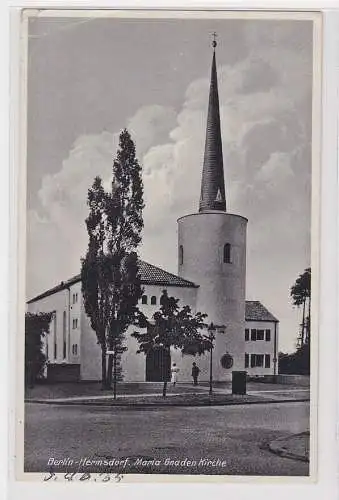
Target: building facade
x,y
74,354
211,279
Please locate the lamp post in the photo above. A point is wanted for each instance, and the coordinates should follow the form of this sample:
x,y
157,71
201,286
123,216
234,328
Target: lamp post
x,y
211,338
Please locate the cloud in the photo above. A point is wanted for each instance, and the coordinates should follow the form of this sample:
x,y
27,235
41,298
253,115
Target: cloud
x,y
56,231
265,113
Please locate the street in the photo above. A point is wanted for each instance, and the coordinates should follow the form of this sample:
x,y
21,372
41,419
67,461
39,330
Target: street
x,y
236,435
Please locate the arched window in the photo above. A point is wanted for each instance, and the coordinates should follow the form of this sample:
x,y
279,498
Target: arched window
x,y
153,300
144,299
227,253
181,254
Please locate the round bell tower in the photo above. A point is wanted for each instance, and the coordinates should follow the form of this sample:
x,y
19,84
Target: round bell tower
x,y
212,250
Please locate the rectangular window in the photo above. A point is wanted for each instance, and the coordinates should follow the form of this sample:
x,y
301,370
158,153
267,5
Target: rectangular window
x,y
260,334
253,334
247,334
246,360
257,360
267,361
268,335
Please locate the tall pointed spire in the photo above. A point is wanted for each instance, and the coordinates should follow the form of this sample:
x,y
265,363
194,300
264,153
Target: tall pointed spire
x,y
212,195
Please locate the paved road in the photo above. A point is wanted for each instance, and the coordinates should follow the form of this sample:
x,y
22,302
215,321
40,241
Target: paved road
x,y
233,434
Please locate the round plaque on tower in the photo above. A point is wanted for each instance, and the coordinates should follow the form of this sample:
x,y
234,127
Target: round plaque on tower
x,y
226,361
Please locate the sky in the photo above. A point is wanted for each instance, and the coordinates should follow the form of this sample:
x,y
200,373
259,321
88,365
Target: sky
x,y
90,78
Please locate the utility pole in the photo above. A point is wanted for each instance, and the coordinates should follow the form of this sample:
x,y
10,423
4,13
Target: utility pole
x,y
211,338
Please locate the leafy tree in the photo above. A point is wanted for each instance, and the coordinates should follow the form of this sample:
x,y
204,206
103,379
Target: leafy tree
x,y
173,327
301,297
297,363
36,328
111,283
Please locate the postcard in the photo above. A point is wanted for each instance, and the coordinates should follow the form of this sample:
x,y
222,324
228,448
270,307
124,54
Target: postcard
x,y
170,235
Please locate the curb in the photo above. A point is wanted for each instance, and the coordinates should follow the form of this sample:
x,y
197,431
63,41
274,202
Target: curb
x,y
273,446
160,403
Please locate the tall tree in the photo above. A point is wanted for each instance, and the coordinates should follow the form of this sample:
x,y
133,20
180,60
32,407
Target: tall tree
x,y
36,329
173,327
110,275
301,297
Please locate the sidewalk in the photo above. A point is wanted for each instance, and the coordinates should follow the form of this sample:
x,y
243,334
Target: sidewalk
x,y
296,447
150,394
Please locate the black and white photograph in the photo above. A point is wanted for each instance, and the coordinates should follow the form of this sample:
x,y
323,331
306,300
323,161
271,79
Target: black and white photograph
x,y
172,193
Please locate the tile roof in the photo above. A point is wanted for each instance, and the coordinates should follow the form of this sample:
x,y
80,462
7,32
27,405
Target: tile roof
x,y
150,275
255,311
153,275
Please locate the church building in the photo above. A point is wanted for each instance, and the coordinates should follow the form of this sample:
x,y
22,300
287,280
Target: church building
x,y
211,278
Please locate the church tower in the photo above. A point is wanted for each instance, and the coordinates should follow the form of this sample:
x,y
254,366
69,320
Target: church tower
x,y
212,249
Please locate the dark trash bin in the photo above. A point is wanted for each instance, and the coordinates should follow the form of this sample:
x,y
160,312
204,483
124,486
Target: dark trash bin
x,y
239,382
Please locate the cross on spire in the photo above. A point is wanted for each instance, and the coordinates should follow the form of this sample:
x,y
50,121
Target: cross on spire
x,y
214,43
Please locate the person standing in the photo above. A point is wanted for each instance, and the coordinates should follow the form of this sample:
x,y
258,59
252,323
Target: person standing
x,y
195,373
174,374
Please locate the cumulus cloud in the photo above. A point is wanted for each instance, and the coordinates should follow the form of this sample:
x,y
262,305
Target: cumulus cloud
x,y
265,113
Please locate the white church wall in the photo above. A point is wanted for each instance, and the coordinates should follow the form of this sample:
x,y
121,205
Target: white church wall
x,y
60,330
90,351
186,296
133,364
184,363
75,323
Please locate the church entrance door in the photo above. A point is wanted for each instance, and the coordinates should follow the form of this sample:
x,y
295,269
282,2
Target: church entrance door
x,y
158,365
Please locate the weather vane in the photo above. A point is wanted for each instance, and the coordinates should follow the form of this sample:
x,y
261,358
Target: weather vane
x,y
214,43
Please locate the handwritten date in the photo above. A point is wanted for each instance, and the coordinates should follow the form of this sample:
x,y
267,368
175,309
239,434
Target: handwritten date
x,y
102,477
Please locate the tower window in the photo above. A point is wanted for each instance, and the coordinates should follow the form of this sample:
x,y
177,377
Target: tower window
x,y
144,299
247,334
181,255
227,253
153,300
